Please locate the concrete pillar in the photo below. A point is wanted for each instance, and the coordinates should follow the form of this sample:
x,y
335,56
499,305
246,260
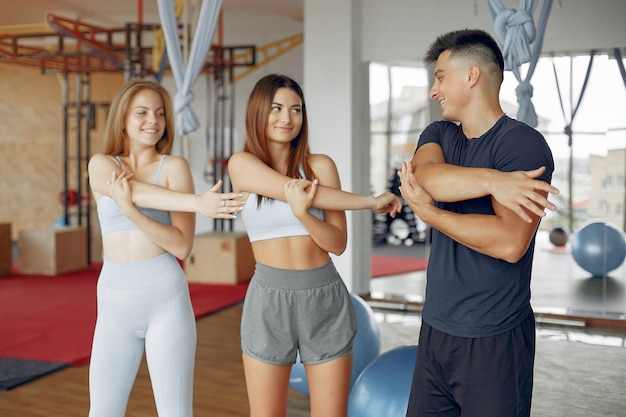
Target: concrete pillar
x,y
336,87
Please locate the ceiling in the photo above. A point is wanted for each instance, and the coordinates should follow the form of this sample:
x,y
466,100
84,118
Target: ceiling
x,y
116,13
26,37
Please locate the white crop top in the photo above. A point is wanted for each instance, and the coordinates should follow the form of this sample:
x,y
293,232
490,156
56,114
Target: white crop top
x,y
112,219
273,219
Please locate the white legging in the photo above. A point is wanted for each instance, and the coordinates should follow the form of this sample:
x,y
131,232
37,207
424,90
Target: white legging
x,y
143,304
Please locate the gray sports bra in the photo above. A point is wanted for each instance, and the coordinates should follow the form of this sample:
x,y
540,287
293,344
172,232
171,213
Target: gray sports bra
x,y
112,219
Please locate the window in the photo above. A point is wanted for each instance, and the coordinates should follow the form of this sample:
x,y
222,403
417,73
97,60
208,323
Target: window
x,y
599,129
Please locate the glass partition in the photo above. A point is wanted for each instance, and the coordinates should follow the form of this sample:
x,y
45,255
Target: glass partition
x,y
579,254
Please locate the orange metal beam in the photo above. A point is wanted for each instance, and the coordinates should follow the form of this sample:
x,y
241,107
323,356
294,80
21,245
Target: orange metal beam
x,y
268,52
87,35
74,46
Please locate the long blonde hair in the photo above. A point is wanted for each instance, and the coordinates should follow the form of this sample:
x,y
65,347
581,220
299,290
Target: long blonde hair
x,y
114,131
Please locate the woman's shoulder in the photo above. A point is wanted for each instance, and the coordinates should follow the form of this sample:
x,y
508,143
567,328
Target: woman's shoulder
x,y
98,157
242,160
241,155
175,160
320,159
174,165
102,159
323,166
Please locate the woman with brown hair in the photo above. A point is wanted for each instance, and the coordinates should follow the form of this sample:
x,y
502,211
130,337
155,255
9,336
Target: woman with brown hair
x,y
296,301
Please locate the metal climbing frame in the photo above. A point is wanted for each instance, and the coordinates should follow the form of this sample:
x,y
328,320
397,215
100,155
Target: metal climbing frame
x,y
72,48
63,46
220,139
78,121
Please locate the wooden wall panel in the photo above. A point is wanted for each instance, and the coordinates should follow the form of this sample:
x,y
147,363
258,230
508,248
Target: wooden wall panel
x,y
31,142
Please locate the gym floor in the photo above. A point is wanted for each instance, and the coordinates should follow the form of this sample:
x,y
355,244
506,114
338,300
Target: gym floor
x,y
559,285
579,369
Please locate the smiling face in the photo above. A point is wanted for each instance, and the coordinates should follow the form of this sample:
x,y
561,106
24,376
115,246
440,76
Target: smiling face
x,y
450,87
145,120
285,118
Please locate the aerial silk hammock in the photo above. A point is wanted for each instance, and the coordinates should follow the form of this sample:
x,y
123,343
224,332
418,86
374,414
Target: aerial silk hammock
x,y
186,120
515,32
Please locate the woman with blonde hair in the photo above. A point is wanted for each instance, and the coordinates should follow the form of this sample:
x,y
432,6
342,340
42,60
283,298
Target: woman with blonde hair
x,y
145,201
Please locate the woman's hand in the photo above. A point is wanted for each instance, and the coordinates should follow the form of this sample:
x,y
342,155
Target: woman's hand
x,y
220,205
300,193
388,203
121,191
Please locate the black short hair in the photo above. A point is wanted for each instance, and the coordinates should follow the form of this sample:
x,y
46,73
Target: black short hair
x,y
468,42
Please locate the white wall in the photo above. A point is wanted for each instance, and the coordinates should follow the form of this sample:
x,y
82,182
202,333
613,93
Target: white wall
x,y
337,91
395,31
401,30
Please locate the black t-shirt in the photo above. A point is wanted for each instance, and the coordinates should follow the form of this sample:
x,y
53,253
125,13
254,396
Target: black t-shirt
x,y
469,294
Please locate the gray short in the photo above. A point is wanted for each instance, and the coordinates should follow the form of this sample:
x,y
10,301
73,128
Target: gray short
x,y
286,311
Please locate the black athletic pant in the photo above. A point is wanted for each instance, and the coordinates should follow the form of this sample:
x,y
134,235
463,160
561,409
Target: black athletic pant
x,y
474,377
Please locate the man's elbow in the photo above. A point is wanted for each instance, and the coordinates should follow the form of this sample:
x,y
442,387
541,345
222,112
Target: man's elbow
x,y
513,252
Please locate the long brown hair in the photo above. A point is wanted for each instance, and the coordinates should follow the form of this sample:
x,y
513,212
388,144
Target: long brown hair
x,y
257,116
114,132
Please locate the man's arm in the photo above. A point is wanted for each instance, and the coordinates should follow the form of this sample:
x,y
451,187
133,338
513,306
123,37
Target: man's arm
x,y
503,235
519,191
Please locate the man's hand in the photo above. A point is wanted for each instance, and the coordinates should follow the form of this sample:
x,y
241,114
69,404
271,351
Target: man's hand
x,y
521,190
416,197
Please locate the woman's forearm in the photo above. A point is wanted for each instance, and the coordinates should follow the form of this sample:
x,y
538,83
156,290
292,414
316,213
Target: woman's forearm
x,y
161,198
328,198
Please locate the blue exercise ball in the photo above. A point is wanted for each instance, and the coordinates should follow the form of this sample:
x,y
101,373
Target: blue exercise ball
x,y
366,346
382,389
598,247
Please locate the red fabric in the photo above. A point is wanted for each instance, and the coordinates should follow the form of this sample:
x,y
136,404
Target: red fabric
x,y
52,318
393,265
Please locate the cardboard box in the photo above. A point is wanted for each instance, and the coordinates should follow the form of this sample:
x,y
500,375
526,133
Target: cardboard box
x,y
6,249
52,251
220,258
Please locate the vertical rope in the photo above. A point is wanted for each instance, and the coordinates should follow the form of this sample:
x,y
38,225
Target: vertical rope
x,y
568,129
620,63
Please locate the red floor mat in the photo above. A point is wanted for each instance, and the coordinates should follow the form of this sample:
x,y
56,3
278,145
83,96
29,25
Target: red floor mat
x,y
383,266
51,318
